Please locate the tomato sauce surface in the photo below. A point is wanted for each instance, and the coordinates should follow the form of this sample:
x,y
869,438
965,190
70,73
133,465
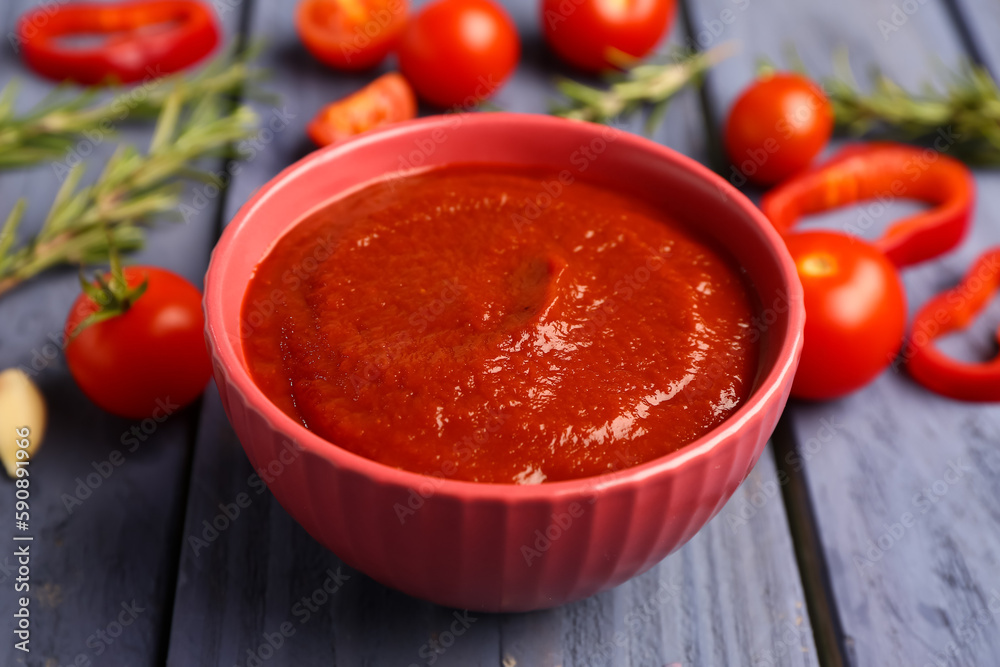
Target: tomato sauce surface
x,y
496,324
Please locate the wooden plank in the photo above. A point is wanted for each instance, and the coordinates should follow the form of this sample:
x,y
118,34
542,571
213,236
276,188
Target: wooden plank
x,y
904,483
731,596
118,546
978,23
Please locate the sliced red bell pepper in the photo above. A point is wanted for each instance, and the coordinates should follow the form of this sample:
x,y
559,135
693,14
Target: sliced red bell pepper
x,y
142,39
950,311
885,171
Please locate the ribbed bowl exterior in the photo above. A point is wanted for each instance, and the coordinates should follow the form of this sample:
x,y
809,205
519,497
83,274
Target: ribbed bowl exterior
x,y
493,547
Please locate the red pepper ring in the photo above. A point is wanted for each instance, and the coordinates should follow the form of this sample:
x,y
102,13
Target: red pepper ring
x,y
885,171
143,39
949,311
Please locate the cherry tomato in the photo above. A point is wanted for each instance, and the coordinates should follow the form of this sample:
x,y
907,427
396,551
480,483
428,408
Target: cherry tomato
x,y
387,99
149,360
350,34
777,126
459,52
855,313
585,33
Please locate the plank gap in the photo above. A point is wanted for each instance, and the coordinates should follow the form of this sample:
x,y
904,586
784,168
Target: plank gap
x,y
965,36
242,40
717,161
176,543
828,631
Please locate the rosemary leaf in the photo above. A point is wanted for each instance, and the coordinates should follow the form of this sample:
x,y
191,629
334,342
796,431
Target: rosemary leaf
x,y
10,227
965,110
132,190
51,129
648,83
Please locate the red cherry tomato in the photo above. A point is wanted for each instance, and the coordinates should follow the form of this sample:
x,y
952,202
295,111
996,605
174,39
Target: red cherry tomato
x,y
350,34
149,360
777,126
855,313
459,52
585,32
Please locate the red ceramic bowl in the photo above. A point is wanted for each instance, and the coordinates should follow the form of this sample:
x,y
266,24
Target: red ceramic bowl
x,y
494,547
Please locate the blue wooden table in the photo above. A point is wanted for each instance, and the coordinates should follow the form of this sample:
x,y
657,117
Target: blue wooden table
x,y
813,561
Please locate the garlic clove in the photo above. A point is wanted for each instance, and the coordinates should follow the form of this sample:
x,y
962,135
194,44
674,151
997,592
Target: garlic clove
x,y
21,406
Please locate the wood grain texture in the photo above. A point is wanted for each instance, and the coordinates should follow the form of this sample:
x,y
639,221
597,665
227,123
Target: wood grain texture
x,y
731,596
119,545
904,483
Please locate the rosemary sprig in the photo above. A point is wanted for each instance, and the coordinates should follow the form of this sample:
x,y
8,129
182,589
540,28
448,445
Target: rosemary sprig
x,y
650,83
967,108
134,188
50,130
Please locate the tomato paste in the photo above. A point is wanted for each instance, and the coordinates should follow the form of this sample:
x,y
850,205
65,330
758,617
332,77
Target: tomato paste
x,y
496,324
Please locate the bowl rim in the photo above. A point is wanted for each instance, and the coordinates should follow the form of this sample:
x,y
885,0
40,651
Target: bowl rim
x,y
228,352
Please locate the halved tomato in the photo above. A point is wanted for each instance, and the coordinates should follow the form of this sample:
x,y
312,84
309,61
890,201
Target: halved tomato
x,y
350,34
387,99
